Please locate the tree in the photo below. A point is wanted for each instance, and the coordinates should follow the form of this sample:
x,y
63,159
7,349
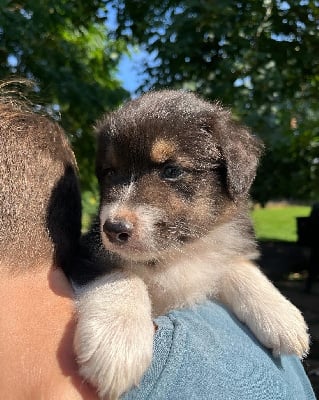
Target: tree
x,y
64,46
260,57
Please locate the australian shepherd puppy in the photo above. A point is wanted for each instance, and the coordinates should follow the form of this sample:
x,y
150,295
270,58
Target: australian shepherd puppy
x,y
172,230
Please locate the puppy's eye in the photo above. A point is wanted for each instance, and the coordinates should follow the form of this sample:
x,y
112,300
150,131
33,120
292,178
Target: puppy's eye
x,y
108,172
172,172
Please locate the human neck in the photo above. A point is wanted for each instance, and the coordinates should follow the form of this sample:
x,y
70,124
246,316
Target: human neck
x,y
36,336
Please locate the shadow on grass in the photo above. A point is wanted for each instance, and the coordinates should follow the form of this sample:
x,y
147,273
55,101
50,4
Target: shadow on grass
x,y
280,258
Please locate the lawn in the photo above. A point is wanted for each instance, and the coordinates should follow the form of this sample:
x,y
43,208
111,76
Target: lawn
x,y
278,222
90,202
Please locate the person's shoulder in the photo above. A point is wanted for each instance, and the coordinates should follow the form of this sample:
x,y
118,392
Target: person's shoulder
x,y
204,352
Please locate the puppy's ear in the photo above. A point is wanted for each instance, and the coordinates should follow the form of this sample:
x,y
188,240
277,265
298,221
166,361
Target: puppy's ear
x,y
241,152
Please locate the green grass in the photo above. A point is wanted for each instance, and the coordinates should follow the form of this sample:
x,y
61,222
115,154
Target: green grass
x,y
90,203
278,222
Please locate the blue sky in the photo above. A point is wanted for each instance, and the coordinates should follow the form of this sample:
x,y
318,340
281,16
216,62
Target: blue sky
x,y
129,71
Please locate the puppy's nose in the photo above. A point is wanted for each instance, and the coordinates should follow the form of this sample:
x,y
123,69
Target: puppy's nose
x,y
118,231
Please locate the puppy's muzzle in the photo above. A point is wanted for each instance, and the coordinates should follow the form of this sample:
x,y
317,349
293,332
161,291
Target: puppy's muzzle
x,y
119,231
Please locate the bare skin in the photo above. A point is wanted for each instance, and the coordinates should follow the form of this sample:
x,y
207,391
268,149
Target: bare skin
x,y
36,334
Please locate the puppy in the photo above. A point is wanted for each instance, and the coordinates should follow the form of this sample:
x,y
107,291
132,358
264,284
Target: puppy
x,y
174,173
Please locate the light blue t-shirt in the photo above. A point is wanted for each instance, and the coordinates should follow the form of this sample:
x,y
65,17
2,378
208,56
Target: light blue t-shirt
x,y
205,353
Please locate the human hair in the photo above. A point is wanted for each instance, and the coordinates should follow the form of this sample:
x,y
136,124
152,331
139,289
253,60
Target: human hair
x,y
40,207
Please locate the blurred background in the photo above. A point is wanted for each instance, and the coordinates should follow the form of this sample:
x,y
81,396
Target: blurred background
x,y
260,58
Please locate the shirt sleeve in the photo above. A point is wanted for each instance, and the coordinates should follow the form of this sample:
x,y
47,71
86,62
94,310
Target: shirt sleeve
x,y
206,353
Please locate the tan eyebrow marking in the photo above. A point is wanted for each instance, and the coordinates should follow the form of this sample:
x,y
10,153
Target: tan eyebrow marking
x,y
162,150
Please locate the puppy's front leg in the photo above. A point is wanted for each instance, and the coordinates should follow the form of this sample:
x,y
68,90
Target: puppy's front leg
x,y
114,335
277,323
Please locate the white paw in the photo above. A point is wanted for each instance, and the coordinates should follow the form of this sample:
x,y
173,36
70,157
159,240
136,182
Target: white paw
x,y
114,336
282,329
276,322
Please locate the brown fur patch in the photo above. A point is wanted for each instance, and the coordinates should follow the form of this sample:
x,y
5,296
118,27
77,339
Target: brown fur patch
x,y
127,215
162,150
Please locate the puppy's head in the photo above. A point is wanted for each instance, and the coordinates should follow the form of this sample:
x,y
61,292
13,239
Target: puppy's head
x,y
171,166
